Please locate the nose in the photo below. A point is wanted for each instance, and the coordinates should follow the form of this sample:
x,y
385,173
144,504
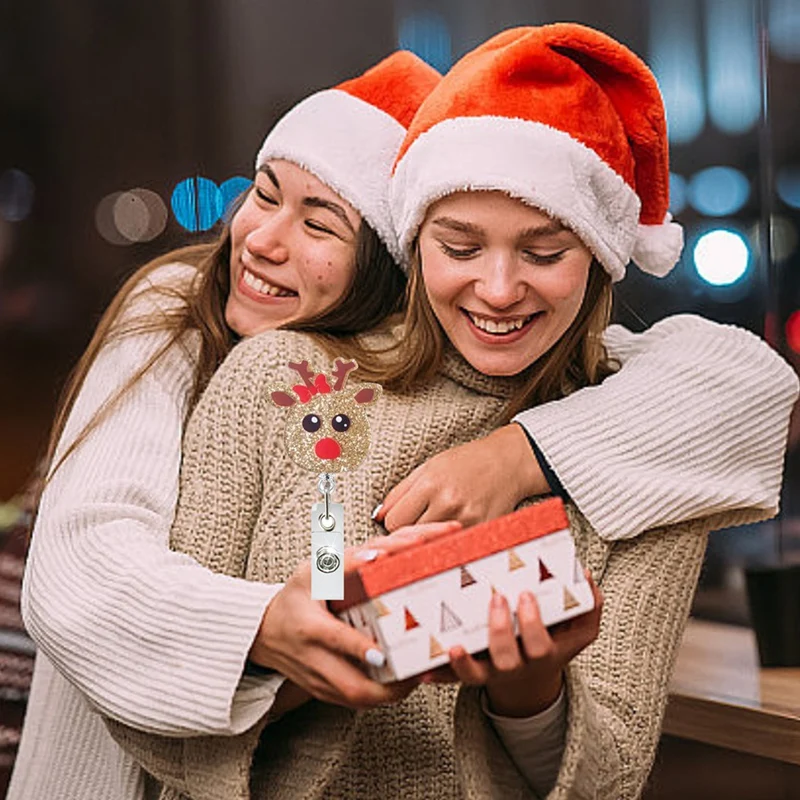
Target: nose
x,y
327,449
270,240
499,284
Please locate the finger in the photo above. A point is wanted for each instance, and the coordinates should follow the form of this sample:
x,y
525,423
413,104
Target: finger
x,y
468,670
407,510
503,647
331,633
428,530
536,641
397,493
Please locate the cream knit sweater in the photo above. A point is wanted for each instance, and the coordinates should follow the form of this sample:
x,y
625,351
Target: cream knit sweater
x,y
145,635
243,511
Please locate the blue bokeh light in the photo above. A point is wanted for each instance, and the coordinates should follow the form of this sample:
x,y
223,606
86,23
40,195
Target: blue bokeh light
x,y
719,191
721,257
16,195
674,54
197,203
787,183
784,29
426,34
677,193
230,190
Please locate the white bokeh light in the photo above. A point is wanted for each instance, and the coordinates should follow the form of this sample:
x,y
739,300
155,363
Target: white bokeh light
x,y
721,257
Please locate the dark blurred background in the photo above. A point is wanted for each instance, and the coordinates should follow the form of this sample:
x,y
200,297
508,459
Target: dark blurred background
x,y
126,127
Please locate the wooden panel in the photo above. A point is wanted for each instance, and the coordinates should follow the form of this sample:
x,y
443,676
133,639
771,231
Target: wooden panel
x,y
719,695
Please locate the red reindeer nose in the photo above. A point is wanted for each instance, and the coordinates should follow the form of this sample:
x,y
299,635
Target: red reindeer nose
x,y
327,449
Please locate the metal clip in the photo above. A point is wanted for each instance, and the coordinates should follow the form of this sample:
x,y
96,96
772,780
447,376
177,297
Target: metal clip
x,y
327,544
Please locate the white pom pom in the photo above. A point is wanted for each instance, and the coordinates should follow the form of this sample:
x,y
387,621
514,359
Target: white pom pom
x,y
658,247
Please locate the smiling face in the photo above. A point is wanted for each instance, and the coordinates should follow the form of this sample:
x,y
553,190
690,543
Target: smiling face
x,y
504,280
293,248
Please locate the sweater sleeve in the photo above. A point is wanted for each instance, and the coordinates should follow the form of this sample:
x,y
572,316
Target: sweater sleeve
x,y
150,636
694,424
618,687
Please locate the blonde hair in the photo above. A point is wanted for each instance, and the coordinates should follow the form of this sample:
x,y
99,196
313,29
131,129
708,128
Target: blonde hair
x,y
578,359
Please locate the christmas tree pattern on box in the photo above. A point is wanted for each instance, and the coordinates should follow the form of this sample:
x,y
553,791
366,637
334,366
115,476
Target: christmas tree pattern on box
x,y
418,603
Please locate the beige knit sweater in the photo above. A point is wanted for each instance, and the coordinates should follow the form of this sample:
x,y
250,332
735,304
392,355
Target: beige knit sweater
x,y
243,511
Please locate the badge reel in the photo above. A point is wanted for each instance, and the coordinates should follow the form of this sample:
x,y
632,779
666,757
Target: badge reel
x,y
327,432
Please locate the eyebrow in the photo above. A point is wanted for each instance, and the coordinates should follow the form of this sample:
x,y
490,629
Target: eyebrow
x,y
267,170
335,208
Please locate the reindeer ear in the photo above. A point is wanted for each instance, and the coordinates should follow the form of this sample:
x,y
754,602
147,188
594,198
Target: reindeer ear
x,y
282,399
368,393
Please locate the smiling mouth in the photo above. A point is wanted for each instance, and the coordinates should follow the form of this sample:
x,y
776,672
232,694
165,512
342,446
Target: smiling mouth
x,y
264,288
500,327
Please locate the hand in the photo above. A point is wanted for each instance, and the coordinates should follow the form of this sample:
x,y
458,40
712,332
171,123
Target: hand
x,y
318,652
470,483
524,677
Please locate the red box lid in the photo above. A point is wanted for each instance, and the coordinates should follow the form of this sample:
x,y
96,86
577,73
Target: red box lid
x,y
365,581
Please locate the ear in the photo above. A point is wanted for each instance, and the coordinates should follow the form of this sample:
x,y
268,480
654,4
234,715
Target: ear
x,y
282,399
368,393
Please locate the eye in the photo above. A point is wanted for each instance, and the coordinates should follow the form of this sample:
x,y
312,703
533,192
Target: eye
x,y
311,423
550,258
318,227
264,197
458,252
341,422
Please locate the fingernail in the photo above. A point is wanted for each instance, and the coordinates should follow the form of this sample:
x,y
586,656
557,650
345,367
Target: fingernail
x,y
376,510
374,657
367,555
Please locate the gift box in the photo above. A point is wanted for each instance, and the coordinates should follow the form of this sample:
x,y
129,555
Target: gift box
x,y
419,602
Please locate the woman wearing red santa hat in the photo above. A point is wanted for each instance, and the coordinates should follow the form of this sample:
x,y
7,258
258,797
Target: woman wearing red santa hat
x,y
528,179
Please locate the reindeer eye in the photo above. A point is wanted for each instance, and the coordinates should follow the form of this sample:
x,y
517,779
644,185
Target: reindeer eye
x,y
311,423
341,422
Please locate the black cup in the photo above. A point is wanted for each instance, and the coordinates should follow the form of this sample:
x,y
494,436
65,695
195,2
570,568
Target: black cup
x,y
773,593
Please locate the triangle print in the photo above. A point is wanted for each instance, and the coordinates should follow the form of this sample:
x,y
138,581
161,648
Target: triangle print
x,y
436,648
450,620
411,622
380,608
569,600
466,578
514,561
544,573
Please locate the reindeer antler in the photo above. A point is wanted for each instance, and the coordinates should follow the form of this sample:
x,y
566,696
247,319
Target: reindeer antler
x,y
341,369
305,373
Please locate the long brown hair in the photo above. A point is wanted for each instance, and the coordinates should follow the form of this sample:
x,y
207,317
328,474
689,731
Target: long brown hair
x,y
578,359
376,291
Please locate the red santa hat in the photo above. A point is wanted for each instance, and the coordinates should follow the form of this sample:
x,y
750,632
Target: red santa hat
x,y
562,117
348,136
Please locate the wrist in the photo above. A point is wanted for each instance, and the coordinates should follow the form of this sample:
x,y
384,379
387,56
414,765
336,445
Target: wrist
x,y
523,698
529,479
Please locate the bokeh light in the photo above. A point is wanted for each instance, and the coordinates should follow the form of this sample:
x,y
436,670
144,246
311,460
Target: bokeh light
x,y
104,220
734,84
792,331
674,55
721,257
784,28
426,34
677,193
230,190
718,191
16,195
787,184
140,215
197,203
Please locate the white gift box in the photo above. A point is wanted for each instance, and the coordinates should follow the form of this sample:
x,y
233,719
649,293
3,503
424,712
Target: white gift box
x,y
421,601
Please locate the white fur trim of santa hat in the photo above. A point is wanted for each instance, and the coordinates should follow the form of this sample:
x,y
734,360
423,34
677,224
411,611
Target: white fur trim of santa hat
x,y
541,166
350,145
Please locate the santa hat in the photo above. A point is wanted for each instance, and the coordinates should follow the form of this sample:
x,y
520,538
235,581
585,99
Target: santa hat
x,y
348,136
562,117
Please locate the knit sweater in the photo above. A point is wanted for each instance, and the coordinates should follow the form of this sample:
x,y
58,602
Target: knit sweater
x,y
150,638
243,511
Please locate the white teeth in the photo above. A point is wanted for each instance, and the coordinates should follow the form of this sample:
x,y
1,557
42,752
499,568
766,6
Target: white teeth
x,y
262,287
494,326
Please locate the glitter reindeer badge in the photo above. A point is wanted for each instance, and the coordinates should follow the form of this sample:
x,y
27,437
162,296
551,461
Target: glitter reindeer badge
x,y
327,431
